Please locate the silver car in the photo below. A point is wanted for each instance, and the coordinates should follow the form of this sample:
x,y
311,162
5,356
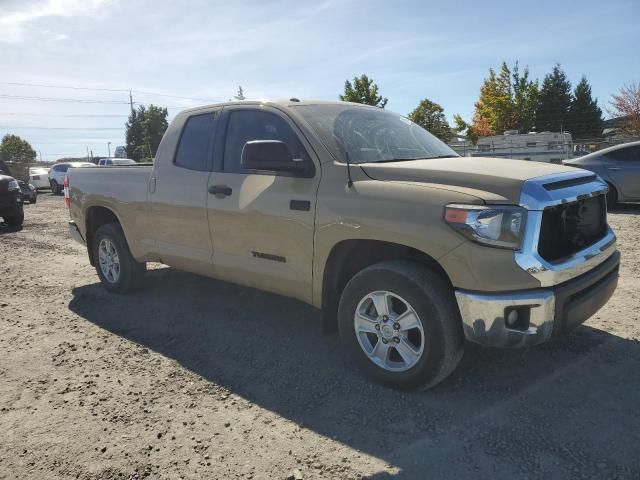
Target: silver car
x,y
619,166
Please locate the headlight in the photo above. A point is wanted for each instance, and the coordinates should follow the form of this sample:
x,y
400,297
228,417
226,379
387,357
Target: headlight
x,y
13,185
31,187
499,226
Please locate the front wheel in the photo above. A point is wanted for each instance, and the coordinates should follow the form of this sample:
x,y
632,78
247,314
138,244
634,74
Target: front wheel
x,y
116,267
399,322
612,197
17,219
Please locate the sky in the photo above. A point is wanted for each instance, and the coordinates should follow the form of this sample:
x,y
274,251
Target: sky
x,y
202,50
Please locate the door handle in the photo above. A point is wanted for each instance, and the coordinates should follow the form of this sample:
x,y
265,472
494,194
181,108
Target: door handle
x,y
614,168
152,185
223,190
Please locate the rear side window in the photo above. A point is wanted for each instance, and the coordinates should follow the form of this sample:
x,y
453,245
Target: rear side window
x,y
194,149
247,125
629,154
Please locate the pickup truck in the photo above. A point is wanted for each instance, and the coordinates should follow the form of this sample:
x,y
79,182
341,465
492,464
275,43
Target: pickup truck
x,y
407,248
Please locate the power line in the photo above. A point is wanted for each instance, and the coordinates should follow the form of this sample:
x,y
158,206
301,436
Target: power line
x,y
56,99
72,115
119,90
20,84
60,128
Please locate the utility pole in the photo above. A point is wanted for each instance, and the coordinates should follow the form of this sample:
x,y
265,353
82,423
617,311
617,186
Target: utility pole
x,y
40,153
131,101
91,155
109,149
87,153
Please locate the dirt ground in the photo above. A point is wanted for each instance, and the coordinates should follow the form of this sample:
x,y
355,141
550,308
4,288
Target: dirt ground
x,y
197,378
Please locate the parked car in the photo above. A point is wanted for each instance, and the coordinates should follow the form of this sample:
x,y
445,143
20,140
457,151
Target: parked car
x,y
619,166
29,192
11,209
406,247
58,172
106,162
39,177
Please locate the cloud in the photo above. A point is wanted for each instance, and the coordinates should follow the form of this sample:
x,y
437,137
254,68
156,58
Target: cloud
x,y
14,23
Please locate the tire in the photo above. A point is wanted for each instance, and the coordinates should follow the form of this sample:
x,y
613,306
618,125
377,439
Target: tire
x,y
612,197
430,297
130,273
33,201
16,220
55,187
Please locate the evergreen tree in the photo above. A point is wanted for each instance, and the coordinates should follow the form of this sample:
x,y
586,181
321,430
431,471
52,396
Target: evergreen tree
x,y
585,117
135,134
240,94
145,129
430,116
363,90
552,113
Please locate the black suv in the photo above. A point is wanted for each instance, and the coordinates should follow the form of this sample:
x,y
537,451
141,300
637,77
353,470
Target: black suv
x,y
11,201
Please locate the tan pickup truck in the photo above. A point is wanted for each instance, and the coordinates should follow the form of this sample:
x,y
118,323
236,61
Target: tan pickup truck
x,y
406,247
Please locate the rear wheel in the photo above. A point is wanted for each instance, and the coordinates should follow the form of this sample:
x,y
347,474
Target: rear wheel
x,y
399,322
55,188
612,197
116,267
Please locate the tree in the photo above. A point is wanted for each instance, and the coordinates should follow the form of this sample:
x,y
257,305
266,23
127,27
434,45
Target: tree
x,y
363,90
145,129
154,125
585,117
626,104
15,149
135,134
430,116
507,102
552,113
240,94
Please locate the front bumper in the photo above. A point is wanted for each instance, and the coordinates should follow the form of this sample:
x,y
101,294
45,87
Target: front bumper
x,y
551,311
74,232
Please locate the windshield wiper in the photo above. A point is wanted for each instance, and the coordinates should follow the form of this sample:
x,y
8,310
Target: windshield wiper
x,y
413,158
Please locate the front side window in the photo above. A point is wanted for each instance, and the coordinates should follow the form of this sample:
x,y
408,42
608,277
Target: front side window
x,y
194,149
248,125
370,134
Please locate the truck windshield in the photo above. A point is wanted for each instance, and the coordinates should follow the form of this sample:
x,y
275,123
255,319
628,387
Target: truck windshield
x,y
371,134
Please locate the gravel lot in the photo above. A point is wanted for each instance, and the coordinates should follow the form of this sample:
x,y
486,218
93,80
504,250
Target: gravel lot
x,y
197,378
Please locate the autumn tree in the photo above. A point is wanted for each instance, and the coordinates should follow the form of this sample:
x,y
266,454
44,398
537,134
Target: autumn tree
x,y
15,149
552,113
507,101
363,90
585,117
626,104
430,116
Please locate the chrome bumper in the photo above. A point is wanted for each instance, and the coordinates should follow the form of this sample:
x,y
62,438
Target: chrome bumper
x,y
74,232
551,311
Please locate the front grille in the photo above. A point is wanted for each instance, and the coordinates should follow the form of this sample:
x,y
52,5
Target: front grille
x,y
571,227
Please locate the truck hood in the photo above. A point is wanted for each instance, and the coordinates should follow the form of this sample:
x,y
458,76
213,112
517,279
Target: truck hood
x,y
494,180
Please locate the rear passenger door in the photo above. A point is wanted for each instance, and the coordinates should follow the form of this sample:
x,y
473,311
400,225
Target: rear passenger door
x,y
178,195
623,166
262,221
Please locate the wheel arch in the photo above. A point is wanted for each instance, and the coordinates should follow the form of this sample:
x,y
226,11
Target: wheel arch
x,y
95,217
348,257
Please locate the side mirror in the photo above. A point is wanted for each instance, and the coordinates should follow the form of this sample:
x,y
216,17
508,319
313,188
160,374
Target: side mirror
x,y
270,155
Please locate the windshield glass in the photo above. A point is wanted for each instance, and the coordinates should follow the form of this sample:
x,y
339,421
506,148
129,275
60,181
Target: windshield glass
x,y
371,134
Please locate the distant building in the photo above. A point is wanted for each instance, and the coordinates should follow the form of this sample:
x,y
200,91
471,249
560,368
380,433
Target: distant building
x,y
540,147
120,152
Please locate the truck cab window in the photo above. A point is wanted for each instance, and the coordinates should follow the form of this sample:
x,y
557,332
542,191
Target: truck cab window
x,y
194,149
247,125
